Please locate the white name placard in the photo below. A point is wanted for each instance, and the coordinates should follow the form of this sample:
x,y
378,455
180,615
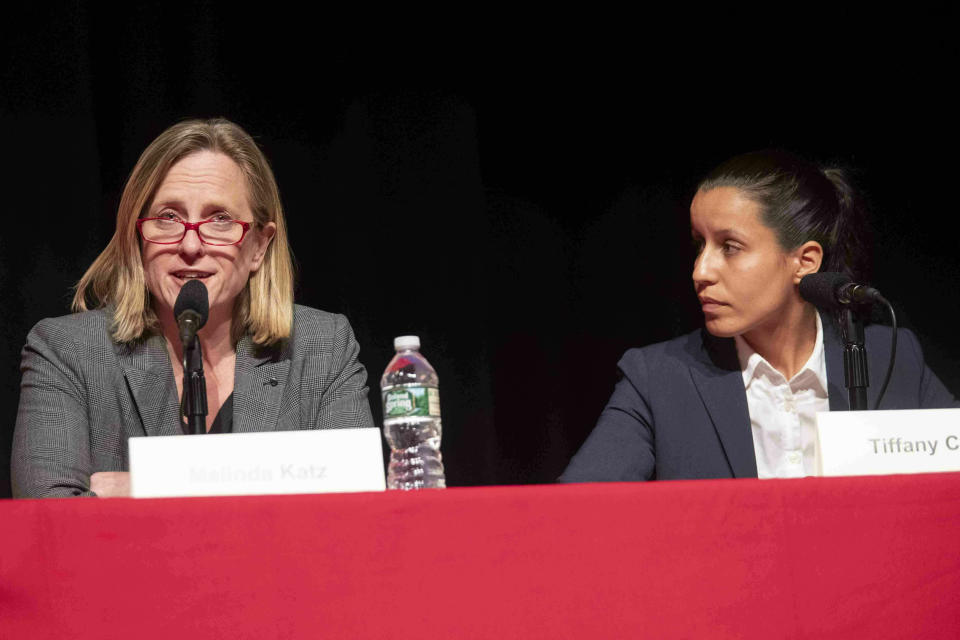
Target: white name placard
x,y
317,461
852,443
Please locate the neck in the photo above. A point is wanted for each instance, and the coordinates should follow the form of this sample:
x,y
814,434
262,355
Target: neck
x,y
788,344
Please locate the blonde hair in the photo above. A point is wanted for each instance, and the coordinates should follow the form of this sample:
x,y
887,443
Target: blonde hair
x,y
264,308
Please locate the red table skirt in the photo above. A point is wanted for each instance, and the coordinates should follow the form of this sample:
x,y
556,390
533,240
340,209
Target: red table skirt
x,y
813,558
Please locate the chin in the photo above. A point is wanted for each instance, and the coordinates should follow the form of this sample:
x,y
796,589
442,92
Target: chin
x,y
720,329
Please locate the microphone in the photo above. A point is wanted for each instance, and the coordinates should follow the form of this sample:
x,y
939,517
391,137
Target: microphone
x,y
191,310
831,290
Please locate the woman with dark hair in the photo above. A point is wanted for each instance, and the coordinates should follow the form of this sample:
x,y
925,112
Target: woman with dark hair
x,y
739,398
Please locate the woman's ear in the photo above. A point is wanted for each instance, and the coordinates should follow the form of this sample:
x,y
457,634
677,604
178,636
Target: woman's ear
x,y
809,257
264,237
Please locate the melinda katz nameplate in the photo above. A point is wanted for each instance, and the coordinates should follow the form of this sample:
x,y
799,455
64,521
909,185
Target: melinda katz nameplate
x,y
319,461
861,443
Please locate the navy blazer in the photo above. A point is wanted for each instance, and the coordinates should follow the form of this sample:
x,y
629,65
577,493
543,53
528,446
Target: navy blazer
x,y
680,408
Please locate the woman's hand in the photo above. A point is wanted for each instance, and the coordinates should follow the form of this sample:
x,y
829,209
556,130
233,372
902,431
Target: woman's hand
x,y
111,484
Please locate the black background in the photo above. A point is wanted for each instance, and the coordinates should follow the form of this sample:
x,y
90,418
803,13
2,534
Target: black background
x,y
513,189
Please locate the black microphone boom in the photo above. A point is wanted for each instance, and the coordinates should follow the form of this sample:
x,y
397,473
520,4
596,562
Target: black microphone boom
x,y
191,310
836,291
830,290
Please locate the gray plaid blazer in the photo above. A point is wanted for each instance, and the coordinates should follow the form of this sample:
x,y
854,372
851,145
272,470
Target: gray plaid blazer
x,y
82,395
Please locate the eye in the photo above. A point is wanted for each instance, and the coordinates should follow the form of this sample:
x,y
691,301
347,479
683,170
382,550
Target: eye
x,y
731,248
221,216
167,214
696,244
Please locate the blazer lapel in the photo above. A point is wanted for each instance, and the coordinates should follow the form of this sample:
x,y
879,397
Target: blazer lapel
x,y
259,381
149,376
717,377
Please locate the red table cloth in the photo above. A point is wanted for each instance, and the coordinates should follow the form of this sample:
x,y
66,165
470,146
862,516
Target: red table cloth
x,y
813,558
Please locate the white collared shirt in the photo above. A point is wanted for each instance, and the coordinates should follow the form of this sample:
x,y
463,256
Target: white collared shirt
x,y
782,412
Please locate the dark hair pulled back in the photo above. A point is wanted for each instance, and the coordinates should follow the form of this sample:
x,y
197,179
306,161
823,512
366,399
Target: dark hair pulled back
x,y
801,201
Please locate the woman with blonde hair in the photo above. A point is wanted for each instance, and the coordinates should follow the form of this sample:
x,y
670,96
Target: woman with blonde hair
x,y
200,204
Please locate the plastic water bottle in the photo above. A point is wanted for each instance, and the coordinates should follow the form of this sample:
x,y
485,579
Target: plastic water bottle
x,y
411,418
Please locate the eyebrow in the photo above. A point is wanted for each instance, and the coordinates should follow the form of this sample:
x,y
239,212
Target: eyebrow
x,y
166,203
718,232
178,204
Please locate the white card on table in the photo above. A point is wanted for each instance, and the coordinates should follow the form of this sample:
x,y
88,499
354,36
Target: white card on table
x,y
315,461
852,443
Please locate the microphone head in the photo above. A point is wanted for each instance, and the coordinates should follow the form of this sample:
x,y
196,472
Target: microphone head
x,y
820,289
193,297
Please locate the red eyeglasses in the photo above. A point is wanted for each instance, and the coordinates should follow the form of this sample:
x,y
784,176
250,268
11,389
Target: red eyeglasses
x,y
217,233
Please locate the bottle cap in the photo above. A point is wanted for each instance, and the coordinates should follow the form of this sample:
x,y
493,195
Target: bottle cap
x,y
406,342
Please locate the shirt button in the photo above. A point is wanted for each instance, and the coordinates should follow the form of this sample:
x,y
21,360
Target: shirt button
x,y
794,458
789,405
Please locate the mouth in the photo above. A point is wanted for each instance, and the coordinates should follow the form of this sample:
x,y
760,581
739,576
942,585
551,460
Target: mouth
x,y
191,274
709,305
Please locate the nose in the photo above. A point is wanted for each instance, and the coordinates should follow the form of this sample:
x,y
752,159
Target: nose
x,y
191,246
704,269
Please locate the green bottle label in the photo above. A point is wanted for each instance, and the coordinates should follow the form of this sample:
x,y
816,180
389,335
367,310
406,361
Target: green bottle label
x,y
405,402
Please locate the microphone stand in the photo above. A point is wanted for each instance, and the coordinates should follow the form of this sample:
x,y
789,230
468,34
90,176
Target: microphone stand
x,y
855,374
194,387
